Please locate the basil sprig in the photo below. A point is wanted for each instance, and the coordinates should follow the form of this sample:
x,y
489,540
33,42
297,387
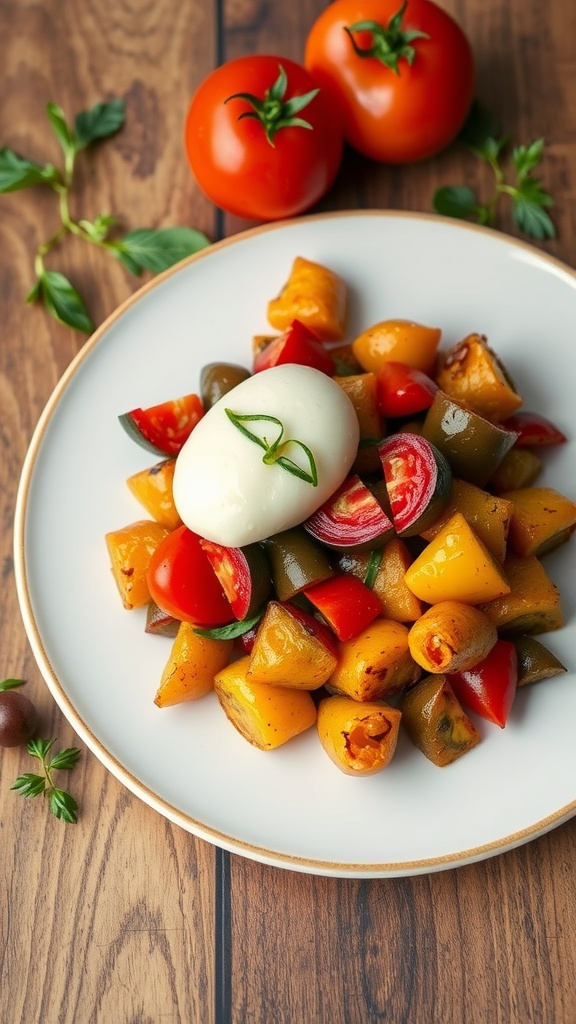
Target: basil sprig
x,y
143,249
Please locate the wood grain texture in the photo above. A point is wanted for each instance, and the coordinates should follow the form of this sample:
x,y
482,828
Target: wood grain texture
x,y
112,921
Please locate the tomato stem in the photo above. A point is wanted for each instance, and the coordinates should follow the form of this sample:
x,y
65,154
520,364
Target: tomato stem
x,y
274,112
389,42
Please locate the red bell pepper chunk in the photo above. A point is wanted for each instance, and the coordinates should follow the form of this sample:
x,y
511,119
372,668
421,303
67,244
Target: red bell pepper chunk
x,y
297,344
533,429
346,603
404,390
489,688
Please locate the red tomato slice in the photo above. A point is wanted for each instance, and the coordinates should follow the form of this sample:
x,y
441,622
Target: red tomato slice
x,y
404,390
297,344
489,688
418,480
351,518
533,430
346,603
164,428
244,574
183,583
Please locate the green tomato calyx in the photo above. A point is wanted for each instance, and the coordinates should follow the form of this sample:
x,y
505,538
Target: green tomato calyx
x,y
274,112
389,42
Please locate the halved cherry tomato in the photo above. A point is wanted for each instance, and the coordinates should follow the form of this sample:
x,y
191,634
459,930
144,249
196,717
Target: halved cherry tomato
x,y
351,519
244,574
346,603
489,687
164,428
404,390
403,76
183,583
418,480
297,344
533,429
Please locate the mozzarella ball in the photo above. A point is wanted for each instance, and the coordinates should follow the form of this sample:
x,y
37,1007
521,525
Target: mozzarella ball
x,y
224,491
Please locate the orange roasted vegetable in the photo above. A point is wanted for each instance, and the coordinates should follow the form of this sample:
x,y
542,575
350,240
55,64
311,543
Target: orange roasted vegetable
x,y
359,738
286,653
542,519
362,390
451,637
436,722
398,341
375,663
456,566
130,549
314,295
488,515
189,672
267,716
471,373
533,602
153,489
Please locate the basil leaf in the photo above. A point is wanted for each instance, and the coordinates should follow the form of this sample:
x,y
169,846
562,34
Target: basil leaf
x,y
10,684
148,249
101,121
63,301
60,128
16,173
231,631
455,201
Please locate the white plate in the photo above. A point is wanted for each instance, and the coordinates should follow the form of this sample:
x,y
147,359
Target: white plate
x,y
292,807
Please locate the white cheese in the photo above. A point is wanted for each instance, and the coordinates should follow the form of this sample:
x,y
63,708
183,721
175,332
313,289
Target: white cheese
x,y
224,492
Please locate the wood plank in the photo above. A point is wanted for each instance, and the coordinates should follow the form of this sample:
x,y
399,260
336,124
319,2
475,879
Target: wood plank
x,y
110,919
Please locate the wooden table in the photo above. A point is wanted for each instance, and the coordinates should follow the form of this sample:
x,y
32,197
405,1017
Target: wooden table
x,y
125,918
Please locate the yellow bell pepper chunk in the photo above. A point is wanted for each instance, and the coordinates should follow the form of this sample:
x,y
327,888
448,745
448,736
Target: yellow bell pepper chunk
x,y
286,654
153,489
542,518
456,566
130,549
189,672
375,663
400,341
267,716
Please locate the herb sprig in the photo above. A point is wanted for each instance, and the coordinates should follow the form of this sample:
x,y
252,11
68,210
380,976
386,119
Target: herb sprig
x,y
62,804
274,453
142,249
530,201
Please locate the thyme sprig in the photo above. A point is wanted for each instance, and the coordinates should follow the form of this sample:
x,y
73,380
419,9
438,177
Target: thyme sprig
x,y
274,453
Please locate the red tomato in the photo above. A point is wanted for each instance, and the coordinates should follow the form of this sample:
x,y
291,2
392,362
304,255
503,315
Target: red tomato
x,y
490,687
297,344
164,428
404,390
261,140
533,429
183,583
404,79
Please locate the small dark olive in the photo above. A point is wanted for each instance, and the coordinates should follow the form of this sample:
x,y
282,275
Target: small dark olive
x,y
17,719
217,379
